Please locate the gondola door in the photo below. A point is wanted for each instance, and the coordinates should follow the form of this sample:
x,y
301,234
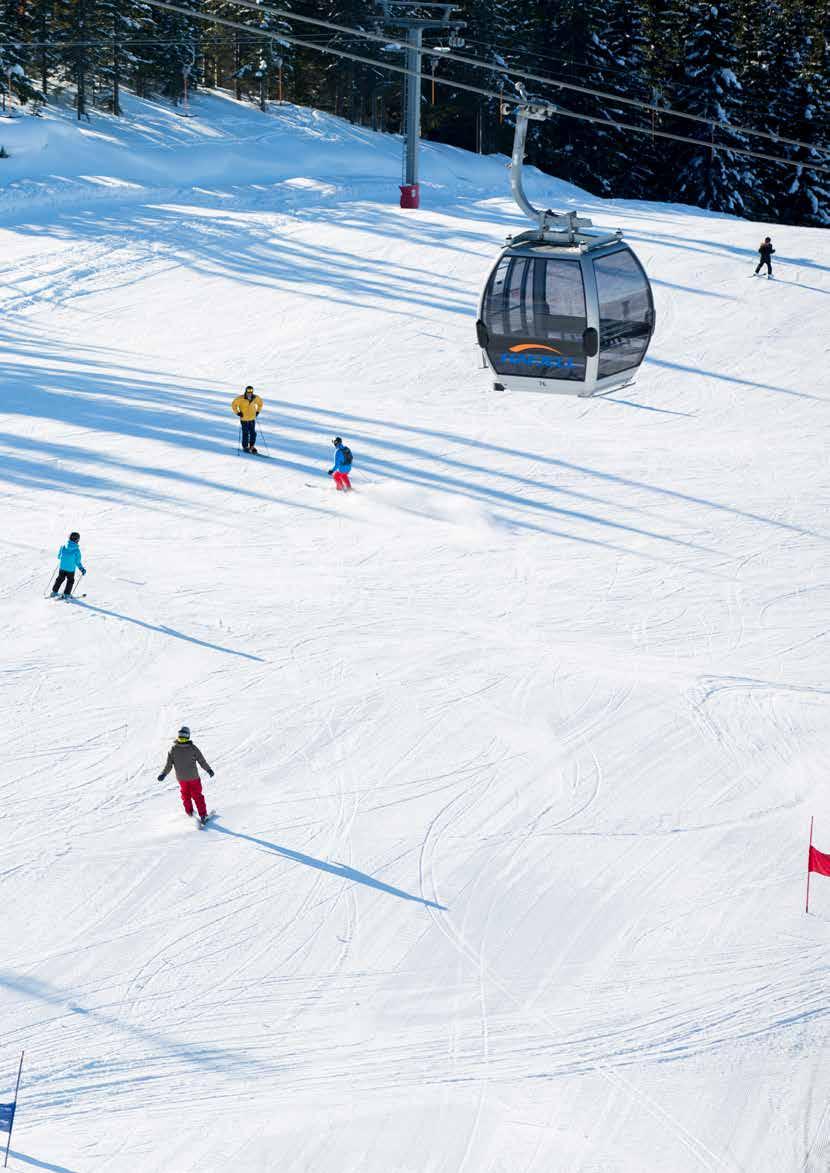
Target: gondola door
x,y
534,325
626,315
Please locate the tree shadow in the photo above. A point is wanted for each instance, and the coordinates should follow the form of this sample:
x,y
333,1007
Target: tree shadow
x,y
214,1058
164,630
336,418
208,237
91,393
800,285
679,366
39,1164
710,246
334,869
90,389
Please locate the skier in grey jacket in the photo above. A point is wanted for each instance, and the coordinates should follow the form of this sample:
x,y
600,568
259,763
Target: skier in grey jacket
x,y
185,758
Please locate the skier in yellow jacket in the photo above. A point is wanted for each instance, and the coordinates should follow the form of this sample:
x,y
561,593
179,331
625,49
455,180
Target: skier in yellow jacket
x,y
248,407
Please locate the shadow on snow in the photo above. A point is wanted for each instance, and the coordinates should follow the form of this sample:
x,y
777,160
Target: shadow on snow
x,y
335,869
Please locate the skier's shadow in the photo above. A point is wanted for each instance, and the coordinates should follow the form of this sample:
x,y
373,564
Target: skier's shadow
x,y
335,869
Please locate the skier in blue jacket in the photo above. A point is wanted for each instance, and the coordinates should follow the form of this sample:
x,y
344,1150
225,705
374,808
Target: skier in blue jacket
x,y
69,560
342,465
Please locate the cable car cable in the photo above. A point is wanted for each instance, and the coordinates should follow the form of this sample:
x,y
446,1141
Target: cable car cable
x,y
535,77
401,69
510,73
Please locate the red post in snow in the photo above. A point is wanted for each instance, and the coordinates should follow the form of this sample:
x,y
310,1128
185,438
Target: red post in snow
x,y
410,195
809,857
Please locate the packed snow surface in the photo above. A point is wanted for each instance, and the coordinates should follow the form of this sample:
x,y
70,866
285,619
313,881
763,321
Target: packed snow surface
x,y
516,747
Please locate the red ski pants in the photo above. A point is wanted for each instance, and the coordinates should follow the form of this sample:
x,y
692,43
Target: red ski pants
x,y
341,479
191,789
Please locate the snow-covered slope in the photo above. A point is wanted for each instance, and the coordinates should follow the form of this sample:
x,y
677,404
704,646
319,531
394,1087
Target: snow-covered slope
x,y
515,748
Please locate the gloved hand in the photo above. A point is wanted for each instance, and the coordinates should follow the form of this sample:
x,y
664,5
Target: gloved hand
x,y
210,773
257,415
331,472
161,777
83,571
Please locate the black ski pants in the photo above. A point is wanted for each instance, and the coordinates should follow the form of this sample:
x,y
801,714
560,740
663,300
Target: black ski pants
x,y
69,576
248,433
765,261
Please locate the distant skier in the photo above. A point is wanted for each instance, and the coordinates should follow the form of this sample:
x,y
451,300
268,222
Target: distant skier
x,y
342,465
765,251
69,560
248,407
185,758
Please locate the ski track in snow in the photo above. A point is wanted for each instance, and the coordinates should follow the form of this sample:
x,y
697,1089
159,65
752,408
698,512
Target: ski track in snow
x,y
515,747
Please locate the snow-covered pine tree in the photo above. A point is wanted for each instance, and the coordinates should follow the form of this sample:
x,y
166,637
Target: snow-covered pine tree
x,y
232,48
803,194
578,150
765,46
708,178
16,25
260,59
632,167
458,116
45,58
345,86
122,23
179,51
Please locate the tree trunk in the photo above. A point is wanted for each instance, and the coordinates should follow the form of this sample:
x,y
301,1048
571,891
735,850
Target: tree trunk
x,y
44,52
116,87
81,61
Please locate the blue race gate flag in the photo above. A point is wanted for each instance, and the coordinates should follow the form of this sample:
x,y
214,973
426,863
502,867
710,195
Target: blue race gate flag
x,y
7,1112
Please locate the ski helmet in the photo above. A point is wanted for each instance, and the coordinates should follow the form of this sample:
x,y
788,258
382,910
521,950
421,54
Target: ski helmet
x,y
248,388
74,536
184,733
337,441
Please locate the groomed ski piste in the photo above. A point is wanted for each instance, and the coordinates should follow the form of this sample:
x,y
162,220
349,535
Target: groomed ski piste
x,y
516,746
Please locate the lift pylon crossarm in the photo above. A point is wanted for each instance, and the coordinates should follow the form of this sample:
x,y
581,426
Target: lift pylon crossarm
x,y
410,15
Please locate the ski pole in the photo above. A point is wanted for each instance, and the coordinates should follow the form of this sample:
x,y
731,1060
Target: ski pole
x,y
265,442
239,440
50,583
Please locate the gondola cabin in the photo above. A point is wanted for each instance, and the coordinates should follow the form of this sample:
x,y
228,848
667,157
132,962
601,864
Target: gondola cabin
x,y
572,316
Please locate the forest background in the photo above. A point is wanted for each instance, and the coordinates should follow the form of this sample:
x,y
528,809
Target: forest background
x,y
759,64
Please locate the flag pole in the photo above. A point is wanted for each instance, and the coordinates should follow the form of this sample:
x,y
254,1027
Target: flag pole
x,y
809,857
14,1109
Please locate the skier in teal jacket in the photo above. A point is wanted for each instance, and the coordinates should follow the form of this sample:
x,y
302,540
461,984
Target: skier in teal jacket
x,y
69,560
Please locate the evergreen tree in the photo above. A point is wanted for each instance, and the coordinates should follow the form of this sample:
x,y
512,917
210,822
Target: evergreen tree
x,y
180,53
257,60
633,166
763,50
707,178
121,22
45,58
348,84
804,193
599,151
458,116
15,27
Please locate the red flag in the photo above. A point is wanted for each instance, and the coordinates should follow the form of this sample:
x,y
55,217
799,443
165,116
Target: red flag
x,y
819,862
